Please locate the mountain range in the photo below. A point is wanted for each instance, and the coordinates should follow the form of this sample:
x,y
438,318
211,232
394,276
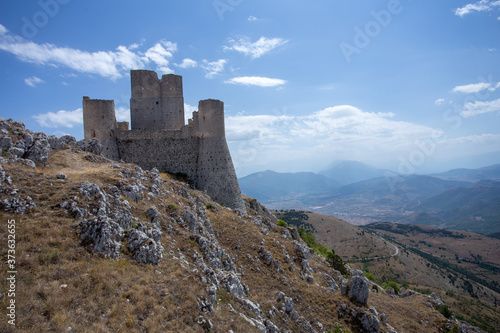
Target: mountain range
x,y
462,199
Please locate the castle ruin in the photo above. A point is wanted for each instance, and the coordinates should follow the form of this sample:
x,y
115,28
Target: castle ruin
x,y
159,138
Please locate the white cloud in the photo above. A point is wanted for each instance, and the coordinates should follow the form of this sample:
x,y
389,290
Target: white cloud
x,y
33,81
60,118
188,112
471,88
161,52
122,114
439,101
483,5
472,109
187,63
256,81
252,18
213,68
304,142
256,49
110,64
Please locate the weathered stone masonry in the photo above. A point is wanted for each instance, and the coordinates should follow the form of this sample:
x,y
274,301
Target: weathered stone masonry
x,y
159,138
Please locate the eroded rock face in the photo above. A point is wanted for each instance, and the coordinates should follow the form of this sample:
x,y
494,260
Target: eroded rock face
x,y
104,234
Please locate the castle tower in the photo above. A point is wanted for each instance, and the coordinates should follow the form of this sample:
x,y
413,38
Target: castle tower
x,y
210,119
215,170
99,122
156,104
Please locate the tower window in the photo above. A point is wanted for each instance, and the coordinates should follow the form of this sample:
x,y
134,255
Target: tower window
x,y
157,103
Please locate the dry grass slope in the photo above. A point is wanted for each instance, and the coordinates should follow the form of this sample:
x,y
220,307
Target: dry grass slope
x,y
63,286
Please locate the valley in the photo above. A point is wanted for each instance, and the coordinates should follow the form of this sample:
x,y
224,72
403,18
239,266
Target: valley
x,y
458,199
462,267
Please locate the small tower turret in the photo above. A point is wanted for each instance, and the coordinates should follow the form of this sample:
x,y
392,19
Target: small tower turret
x,y
99,122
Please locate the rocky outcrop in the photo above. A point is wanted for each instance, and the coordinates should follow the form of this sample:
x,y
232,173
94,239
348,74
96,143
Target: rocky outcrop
x,y
359,288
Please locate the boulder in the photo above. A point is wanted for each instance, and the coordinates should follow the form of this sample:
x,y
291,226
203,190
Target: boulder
x,y
17,152
153,214
68,140
39,152
92,146
5,143
369,322
55,142
359,289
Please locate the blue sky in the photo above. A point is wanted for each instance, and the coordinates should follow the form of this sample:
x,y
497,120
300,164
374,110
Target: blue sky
x,y
412,86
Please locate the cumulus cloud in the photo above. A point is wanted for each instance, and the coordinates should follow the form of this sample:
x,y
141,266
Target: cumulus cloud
x,y
439,101
252,18
213,68
60,118
33,81
256,81
110,64
472,109
256,49
187,63
481,6
340,132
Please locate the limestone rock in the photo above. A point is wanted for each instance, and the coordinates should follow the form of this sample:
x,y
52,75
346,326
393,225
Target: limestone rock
x,y
359,289
16,152
271,328
68,140
61,176
17,204
153,214
265,255
39,152
149,253
5,143
369,323
92,146
104,234
55,142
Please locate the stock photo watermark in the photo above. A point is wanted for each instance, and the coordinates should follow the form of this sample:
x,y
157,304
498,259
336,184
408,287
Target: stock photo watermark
x,y
48,10
223,6
365,34
425,149
12,272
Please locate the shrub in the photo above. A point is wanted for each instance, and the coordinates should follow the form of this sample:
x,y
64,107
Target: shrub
x,y
172,207
281,223
445,311
210,206
393,285
336,262
370,276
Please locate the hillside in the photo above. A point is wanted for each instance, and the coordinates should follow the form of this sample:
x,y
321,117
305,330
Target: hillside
x,y
273,187
460,266
475,208
103,246
348,172
471,175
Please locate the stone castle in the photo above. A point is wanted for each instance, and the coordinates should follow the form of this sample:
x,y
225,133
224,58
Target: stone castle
x,y
159,138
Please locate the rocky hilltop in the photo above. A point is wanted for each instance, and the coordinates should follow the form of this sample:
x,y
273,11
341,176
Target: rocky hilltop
x,y
103,246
